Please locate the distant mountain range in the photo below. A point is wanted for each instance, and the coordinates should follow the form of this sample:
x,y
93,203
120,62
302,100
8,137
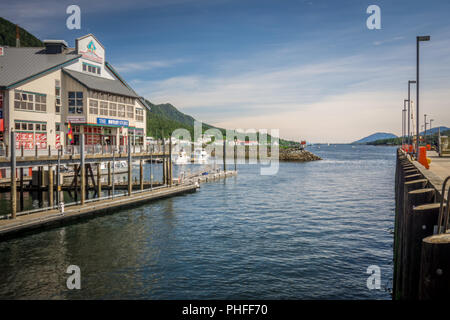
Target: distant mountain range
x,y
375,137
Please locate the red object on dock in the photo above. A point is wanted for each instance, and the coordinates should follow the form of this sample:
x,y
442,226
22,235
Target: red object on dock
x,y
411,148
423,157
428,147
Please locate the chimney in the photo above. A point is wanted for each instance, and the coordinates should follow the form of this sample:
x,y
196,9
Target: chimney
x,y
17,36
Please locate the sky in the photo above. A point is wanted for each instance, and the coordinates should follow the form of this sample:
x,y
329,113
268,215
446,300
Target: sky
x,y
310,68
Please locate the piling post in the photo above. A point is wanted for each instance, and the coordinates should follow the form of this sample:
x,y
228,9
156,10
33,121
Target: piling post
x,y
42,184
13,176
99,180
58,182
21,189
399,249
170,161
235,156
130,181
141,174
434,281
225,154
151,169
109,173
113,171
418,210
83,170
164,162
50,186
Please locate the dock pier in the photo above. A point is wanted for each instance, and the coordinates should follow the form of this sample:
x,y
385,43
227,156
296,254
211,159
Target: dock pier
x,y
136,192
421,232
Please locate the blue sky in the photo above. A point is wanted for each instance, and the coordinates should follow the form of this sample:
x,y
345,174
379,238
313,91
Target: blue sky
x,y
309,68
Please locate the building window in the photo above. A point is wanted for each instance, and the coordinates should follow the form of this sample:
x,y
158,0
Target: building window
x,y
91,68
40,103
30,101
112,109
130,112
139,114
121,112
75,102
93,106
58,127
103,108
57,96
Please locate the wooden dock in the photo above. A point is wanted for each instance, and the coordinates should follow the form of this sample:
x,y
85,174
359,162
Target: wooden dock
x,y
25,223
422,232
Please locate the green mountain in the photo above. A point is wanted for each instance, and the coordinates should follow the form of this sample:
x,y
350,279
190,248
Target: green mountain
x,y
8,35
164,118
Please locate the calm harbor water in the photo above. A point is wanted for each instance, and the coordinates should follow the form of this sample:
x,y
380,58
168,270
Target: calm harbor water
x,y
309,232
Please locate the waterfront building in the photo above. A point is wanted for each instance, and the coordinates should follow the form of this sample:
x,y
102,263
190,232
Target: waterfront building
x,y
44,89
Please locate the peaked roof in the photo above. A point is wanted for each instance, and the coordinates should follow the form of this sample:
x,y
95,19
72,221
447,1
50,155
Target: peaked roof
x,y
20,64
101,84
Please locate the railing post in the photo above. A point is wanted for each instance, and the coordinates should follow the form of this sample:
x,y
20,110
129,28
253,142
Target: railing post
x,y
50,186
99,180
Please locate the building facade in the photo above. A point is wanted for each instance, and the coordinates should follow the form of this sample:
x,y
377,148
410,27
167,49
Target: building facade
x,y
42,90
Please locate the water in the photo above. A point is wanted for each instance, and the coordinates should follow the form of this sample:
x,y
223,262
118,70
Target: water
x,y
310,232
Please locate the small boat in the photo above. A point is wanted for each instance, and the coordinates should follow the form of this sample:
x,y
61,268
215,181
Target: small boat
x,y
180,158
199,156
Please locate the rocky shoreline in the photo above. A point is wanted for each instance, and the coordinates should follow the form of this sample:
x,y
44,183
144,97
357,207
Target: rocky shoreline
x,y
293,154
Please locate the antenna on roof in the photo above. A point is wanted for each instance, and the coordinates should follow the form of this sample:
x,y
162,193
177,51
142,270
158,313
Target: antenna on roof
x,y
17,36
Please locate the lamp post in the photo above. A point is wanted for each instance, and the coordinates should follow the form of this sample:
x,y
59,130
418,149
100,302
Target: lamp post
x,y
418,40
403,127
425,129
431,132
404,122
409,109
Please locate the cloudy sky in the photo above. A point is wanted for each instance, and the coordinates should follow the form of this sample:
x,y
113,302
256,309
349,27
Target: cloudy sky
x,y
310,68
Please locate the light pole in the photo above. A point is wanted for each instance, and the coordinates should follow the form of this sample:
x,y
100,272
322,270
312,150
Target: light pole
x,y
409,109
404,122
431,132
418,40
425,131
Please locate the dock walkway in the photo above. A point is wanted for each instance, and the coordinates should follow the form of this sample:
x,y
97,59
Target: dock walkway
x,y
29,222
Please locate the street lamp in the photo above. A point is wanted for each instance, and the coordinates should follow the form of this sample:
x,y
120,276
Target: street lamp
x,y
404,122
409,107
431,132
419,39
425,131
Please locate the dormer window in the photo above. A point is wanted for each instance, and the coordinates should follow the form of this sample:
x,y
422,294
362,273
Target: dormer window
x,y
91,68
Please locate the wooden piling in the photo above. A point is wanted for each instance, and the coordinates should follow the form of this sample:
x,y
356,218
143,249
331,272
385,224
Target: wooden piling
x,y
224,154
99,180
434,280
13,176
413,235
141,174
21,189
50,186
109,174
130,165
83,170
170,161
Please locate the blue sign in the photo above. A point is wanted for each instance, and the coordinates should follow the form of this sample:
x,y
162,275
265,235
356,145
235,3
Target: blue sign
x,y
1,114
112,122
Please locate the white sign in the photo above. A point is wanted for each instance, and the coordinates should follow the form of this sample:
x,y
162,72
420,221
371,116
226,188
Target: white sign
x,y
72,119
1,51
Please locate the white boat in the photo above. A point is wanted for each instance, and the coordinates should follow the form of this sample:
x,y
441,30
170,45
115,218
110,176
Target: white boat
x,y
180,158
199,156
